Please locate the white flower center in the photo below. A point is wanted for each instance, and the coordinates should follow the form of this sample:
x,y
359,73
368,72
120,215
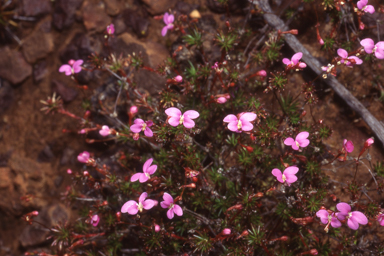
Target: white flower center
x,y
181,119
330,67
297,144
171,206
239,125
147,174
144,125
284,178
140,206
349,215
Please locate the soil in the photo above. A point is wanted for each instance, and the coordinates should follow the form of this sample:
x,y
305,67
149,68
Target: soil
x,y
35,150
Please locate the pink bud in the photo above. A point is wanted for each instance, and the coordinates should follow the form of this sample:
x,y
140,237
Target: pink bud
x,y
71,62
69,171
321,41
86,173
95,220
82,131
179,79
104,131
369,142
226,231
348,145
133,110
136,136
262,73
35,213
110,29
221,100
157,228
83,157
313,252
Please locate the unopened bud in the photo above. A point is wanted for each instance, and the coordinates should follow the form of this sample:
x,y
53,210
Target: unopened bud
x,y
178,79
136,136
314,252
157,228
118,216
133,110
244,233
226,231
69,171
369,142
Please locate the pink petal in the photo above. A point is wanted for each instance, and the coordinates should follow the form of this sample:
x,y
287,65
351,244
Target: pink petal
x,y
170,214
348,145
301,136
344,208
152,169
104,131
290,178
379,54
302,65
303,143
370,9
335,223
340,216
148,204
289,141
368,45
361,4
357,60
168,198
248,116
359,217
277,173
171,19
66,68
296,57
149,123
192,114
177,210
323,214
148,132
286,61
174,121
230,118
342,53
175,112
138,121
165,18
380,46
147,164
164,31
136,128
188,123
353,224
136,176
77,66
246,126
143,178
142,197
232,126
164,204
128,205
294,146
291,170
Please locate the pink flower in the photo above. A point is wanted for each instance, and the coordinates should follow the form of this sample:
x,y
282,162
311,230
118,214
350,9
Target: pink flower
x,y
132,207
300,141
380,218
83,157
221,100
348,146
72,68
262,73
69,171
173,208
327,218
178,79
168,20
110,29
176,118
370,47
215,66
157,228
362,5
133,110
354,218
294,62
95,220
147,171
348,61
139,125
226,231
287,176
368,142
241,124
104,131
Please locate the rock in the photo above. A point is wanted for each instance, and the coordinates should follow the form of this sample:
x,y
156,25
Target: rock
x,y
185,8
39,43
133,20
112,7
234,6
157,53
33,235
68,94
46,155
26,167
156,7
68,154
64,13
6,177
6,96
36,7
94,16
40,71
81,46
149,81
58,181
13,66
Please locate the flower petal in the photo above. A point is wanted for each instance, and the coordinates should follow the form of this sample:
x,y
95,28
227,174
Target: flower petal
x,y
136,176
128,205
304,143
291,170
370,9
290,178
286,61
170,214
230,118
360,217
246,126
342,53
294,146
335,223
165,18
277,173
322,214
66,68
170,18
164,31
248,116
344,208
192,114
148,204
368,44
77,66
361,4
174,121
301,136
152,169
177,210
175,112
138,121
143,178
289,141
148,132
232,126
164,204
147,164
353,224
142,197
168,198
136,128
188,123
296,57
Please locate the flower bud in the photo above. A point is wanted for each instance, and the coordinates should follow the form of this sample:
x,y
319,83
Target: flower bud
x,y
262,73
313,252
178,79
226,231
133,110
157,228
221,100
69,171
369,142
136,136
110,29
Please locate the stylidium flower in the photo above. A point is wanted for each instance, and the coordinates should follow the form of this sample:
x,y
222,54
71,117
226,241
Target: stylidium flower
x,y
348,146
354,218
83,157
294,63
110,29
178,79
133,110
300,141
242,123
328,219
287,176
362,5
168,20
72,68
176,117
380,218
349,61
368,142
173,208
370,47
148,170
95,220
139,125
105,131
132,207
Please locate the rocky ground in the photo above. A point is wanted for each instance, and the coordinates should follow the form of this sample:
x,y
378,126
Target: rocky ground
x,y
35,152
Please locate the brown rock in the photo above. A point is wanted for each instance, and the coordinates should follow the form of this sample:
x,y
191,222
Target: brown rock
x,y
64,14
36,7
6,97
156,7
39,43
6,177
13,66
26,167
94,16
137,22
40,71
112,7
67,93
